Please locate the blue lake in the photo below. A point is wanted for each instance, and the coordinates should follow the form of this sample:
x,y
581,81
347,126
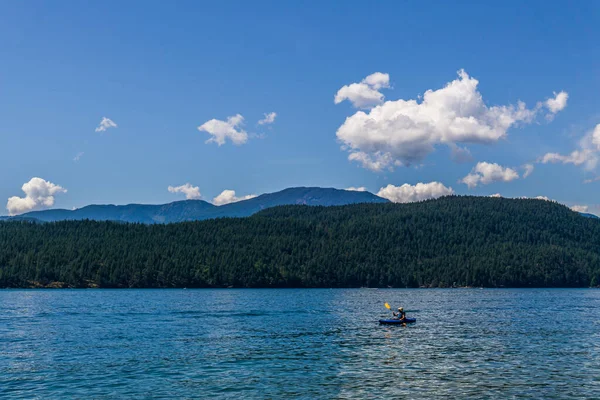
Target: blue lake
x,y
305,343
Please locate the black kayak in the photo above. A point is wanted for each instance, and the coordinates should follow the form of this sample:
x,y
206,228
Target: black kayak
x,y
397,321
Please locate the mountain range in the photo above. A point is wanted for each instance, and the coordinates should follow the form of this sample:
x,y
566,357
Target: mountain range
x,y
195,210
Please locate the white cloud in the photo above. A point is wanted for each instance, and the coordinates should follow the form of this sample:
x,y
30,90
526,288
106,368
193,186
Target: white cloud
x,y
105,124
222,130
404,132
228,196
485,173
356,189
268,119
528,170
595,137
542,198
556,104
39,193
581,209
409,193
586,155
576,157
366,93
374,162
576,207
191,192
78,156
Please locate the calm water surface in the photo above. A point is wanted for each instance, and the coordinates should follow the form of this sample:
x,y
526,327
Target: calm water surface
x,y
299,344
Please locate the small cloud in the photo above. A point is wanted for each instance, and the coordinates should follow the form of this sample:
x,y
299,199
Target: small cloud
x,y
39,193
376,162
556,104
580,208
586,155
542,198
419,192
191,192
105,124
78,156
228,196
485,173
356,189
268,119
528,170
366,93
223,130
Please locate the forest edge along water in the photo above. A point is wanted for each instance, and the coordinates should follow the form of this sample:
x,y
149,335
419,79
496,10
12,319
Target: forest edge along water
x,y
452,241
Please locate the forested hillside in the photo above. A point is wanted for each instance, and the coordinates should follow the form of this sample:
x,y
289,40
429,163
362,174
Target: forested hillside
x,y
462,241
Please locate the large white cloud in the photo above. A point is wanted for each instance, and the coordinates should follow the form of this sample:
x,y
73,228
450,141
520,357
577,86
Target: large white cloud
x,y
403,132
365,93
485,173
268,119
223,130
105,124
409,193
228,196
191,192
39,193
586,155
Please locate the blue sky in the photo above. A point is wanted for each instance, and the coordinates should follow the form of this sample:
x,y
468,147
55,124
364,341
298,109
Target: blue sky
x,y
160,70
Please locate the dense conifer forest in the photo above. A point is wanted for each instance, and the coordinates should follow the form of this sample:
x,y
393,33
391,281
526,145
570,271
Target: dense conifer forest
x,y
452,241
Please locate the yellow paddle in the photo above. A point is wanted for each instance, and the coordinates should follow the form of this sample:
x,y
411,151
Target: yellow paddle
x,y
387,306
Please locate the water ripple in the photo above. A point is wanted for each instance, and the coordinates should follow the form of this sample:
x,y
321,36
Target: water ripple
x,y
108,344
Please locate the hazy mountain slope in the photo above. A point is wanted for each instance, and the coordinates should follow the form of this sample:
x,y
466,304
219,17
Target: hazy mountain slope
x,y
192,210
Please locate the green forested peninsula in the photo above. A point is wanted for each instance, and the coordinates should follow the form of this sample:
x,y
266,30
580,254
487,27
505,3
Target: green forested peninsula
x,y
452,241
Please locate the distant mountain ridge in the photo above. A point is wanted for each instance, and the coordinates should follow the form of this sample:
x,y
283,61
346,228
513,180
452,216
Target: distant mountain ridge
x,y
195,210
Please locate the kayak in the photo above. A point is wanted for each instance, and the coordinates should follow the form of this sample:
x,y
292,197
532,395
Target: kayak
x,y
397,321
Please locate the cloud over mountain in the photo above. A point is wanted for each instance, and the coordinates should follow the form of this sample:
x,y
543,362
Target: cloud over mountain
x,y
485,173
412,193
403,132
191,192
228,196
39,193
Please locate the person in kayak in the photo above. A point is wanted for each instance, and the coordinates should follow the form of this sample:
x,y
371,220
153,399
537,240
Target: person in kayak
x,y
400,314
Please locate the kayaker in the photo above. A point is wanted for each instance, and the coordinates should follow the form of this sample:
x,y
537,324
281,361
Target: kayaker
x,y
400,314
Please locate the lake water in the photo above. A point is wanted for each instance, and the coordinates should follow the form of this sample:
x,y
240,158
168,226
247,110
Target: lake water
x,y
307,343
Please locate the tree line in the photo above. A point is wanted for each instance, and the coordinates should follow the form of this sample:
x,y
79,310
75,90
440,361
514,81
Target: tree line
x,y
452,241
